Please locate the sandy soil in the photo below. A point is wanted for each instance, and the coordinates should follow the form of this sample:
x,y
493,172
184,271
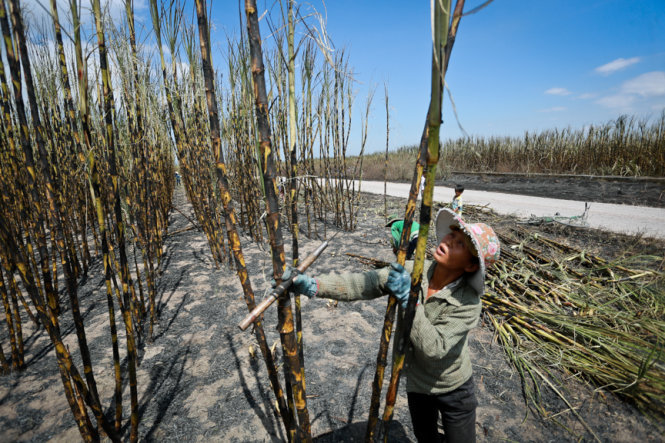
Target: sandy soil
x,y
198,382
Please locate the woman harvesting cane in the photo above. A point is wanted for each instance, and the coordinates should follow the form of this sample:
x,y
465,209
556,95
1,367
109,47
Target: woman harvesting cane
x,y
438,368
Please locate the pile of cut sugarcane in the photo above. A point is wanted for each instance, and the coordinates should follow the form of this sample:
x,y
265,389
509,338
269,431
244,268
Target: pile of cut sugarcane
x,y
555,306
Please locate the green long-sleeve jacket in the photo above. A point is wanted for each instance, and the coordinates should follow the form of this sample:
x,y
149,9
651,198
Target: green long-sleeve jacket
x,y
437,359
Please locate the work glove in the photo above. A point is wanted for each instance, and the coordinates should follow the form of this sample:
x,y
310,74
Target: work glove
x,y
302,284
399,283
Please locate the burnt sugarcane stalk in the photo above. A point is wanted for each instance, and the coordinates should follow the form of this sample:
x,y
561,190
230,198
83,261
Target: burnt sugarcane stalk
x,y
177,126
293,172
124,303
138,148
441,27
98,209
382,355
286,327
78,319
232,233
14,330
422,159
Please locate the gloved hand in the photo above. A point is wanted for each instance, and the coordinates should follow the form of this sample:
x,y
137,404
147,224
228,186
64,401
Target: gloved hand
x,y
399,283
302,284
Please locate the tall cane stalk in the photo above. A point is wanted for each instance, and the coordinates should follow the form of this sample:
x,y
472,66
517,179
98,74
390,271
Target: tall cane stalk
x,y
440,32
286,326
429,148
119,224
293,173
234,239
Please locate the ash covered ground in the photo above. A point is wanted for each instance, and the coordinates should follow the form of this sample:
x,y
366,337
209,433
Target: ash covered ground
x,y
198,382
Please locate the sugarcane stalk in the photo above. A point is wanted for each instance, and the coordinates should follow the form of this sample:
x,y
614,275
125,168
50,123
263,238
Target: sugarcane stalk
x,y
16,293
78,320
293,172
118,222
281,134
14,332
392,301
286,327
96,193
232,233
136,127
421,161
441,27
4,365
177,125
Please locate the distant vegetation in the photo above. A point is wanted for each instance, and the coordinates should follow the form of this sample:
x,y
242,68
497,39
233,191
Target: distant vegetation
x,y
626,146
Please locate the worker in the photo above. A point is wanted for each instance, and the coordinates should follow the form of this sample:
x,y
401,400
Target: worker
x,y
438,367
396,226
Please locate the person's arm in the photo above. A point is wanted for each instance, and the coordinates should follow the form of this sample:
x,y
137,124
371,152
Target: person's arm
x,y
353,286
436,337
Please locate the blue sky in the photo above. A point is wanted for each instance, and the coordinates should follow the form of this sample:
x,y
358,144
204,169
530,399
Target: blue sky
x,y
517,65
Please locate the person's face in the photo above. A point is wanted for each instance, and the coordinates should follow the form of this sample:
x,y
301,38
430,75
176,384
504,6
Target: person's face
x,y
453,253
458,193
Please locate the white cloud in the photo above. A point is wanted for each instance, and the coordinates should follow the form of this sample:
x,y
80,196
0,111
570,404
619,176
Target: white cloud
x,y
619,101
640,91
554,109
558,91
587,96
651,84
616,65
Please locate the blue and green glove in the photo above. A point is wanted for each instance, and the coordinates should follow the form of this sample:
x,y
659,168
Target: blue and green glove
x,y
302,283
399,283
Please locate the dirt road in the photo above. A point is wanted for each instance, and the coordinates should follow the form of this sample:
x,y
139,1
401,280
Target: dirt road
x,y
610,217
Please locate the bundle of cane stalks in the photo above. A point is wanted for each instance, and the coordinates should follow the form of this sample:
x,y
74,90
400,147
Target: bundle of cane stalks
x,y
559,311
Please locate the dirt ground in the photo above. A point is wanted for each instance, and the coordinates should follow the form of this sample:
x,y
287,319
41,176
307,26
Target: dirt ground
x,y
198,382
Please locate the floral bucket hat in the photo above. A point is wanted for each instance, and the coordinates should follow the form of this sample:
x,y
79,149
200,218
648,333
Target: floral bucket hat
x,y
483,238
